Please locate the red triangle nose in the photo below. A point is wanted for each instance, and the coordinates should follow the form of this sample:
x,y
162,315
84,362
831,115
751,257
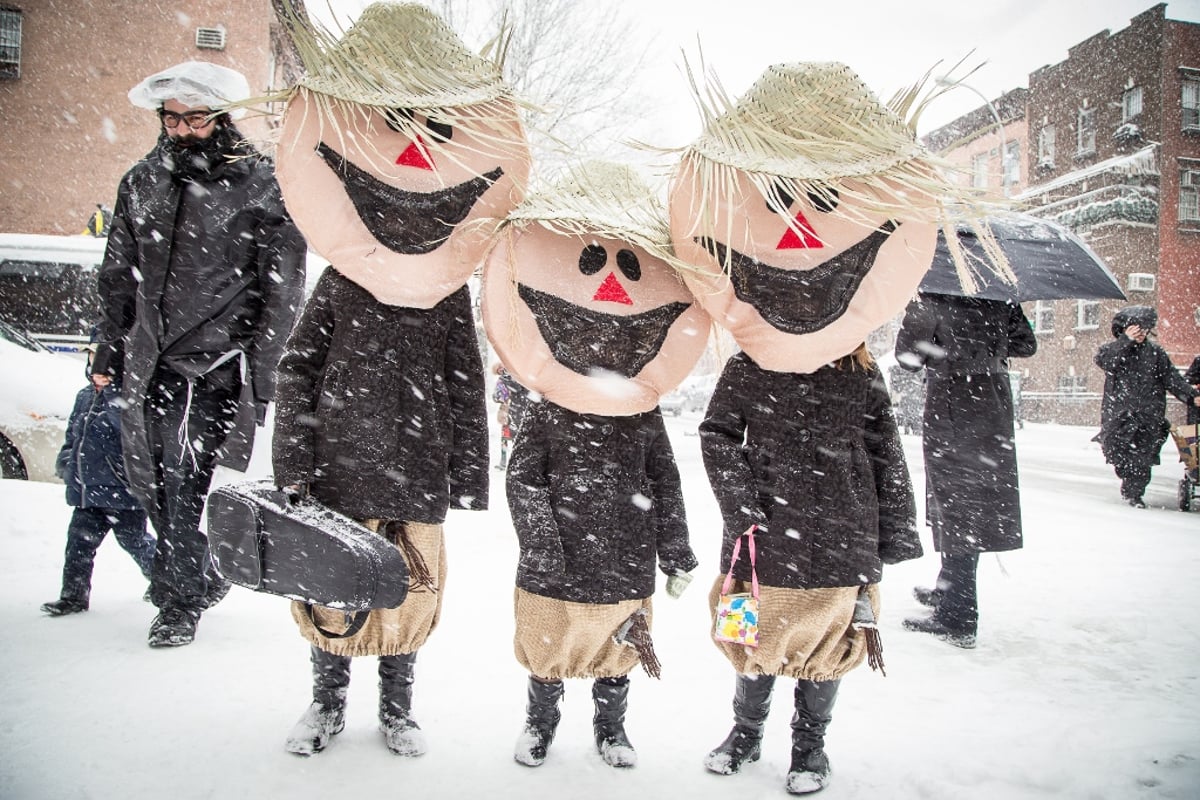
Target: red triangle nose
x,y
612,291
806,238
416,155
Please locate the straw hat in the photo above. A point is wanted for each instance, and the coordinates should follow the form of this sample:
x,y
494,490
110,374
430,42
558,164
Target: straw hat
x,y
193,83
810,121
397,55
601,198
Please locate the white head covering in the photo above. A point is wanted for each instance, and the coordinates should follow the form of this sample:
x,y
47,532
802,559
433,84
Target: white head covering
x,y
193,83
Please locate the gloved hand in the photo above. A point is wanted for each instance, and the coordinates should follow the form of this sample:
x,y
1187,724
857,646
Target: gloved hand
x,y
677,583
295,492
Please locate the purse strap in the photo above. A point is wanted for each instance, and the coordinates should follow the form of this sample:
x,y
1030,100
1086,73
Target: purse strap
x,y
360,619
737,549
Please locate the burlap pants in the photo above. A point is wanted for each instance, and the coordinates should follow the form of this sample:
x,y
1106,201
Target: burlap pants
x,y
388,631
802,633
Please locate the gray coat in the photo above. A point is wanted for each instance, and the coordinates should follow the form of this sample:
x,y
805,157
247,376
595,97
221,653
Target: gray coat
x,y
197,266
381,408
973,500
816,459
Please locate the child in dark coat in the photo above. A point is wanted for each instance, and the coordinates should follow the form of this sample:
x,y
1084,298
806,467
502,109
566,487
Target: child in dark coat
x,y
90,463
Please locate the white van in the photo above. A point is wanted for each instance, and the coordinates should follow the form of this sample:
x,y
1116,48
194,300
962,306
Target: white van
x,y
48,286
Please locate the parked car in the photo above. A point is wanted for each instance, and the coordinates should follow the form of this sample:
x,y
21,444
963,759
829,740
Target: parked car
x,y
36,397
48,286
673,402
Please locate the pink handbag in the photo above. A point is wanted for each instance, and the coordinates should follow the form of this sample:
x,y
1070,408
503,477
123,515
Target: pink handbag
x,y
737,614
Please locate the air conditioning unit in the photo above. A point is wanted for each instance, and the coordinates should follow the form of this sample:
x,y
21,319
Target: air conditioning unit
x,y
1139,282
210,38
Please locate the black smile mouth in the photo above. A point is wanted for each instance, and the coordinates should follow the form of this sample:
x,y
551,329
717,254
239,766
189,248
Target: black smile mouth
x,y
585,341
409,223
800,301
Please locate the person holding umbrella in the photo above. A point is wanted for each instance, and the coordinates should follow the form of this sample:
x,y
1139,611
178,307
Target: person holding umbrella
x,y
973,501
1138,373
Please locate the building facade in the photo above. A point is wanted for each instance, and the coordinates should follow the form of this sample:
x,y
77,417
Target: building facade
x,y
69,130
1111,151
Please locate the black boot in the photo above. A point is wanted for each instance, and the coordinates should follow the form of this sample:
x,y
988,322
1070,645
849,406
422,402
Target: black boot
x,y
327,714
814,709
401,732
930,598
611,696
751,702
541,721
65,605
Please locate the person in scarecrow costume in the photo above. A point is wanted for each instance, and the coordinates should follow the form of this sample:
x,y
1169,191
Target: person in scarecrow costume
x,y
810,212
585,308
393,151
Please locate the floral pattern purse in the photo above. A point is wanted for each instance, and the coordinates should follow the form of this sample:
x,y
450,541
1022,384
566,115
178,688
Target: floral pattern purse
x,y
737,614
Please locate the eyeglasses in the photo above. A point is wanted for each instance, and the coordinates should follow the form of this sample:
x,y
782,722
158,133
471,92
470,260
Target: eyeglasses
x,y
194,119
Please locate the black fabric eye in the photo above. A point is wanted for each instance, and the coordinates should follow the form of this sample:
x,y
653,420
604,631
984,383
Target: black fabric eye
x,y
440,130
592,259
394,116
825,200
627,260
779,198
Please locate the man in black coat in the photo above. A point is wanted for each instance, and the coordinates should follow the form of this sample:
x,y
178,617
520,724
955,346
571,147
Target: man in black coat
x,y
200,283
973,501
1133,413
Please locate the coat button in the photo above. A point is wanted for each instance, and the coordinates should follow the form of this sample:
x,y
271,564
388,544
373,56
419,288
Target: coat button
x,y
803,434
803,389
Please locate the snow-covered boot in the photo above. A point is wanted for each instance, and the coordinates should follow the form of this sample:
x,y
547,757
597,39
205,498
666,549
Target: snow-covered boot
x,y
611,696
809,771
65,605
751,702
401,732
326,716
541,721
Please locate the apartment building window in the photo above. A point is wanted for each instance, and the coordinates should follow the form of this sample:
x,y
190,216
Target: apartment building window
x,y
10,42
1043,316
1072,384
1085,132
1131,103
979,170
1087,315
1046,146
1012,163
1191,102
1189,192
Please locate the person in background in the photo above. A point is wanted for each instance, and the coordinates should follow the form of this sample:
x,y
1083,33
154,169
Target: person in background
x,y
90,465
1192,376
973,501
1138,373
200,283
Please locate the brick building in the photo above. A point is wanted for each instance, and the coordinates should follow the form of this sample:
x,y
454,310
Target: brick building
x,y
1111,149
69,131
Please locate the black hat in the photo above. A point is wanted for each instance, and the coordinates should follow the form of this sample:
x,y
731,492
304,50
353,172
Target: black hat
x,y
1143,316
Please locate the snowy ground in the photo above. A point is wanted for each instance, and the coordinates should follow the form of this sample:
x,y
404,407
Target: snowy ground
x,y
1084,685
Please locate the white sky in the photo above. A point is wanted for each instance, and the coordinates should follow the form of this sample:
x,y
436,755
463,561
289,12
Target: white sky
x,y
888,44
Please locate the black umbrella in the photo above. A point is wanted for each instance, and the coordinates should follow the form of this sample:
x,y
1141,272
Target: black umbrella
x,y
1050,263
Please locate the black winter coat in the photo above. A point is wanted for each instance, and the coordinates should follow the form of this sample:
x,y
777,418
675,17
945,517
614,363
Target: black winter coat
x,y
1192,376
595,501
973,500
817,460
381,409
218,242
90,459
1133,411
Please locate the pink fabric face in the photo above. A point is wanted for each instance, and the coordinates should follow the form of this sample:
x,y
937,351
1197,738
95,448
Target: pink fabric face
x,y
400,216
596,325
797,297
